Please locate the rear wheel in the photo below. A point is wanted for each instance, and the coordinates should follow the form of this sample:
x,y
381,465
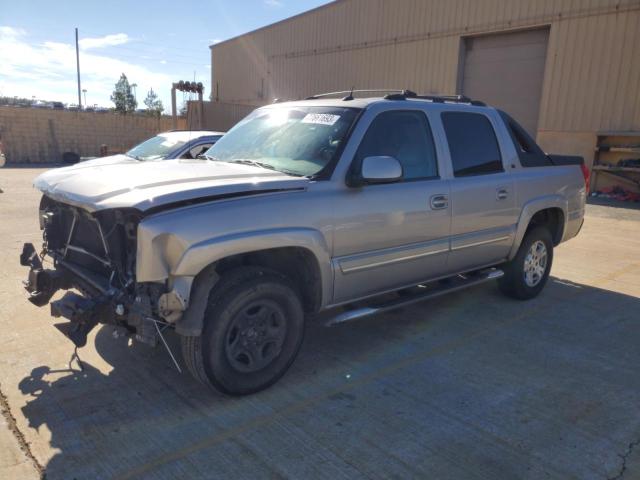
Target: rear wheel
x,y
253,329
526,275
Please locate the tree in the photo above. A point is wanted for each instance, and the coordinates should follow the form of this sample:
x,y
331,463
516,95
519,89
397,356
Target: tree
x,y
153,103
122,96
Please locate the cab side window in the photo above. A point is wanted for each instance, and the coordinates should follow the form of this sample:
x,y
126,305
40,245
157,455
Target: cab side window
x,y
406,136
472,143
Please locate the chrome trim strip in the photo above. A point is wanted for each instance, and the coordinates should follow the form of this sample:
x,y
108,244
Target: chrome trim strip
x,y
481,242
391,260
388,256
355,263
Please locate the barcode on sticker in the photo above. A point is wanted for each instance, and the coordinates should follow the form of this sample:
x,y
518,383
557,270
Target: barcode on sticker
x,y
321,118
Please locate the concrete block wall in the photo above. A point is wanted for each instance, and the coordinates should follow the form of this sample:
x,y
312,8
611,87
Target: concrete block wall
x,y
32,135
217,116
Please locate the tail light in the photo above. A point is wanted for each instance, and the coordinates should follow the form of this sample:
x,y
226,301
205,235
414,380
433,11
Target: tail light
x,y
586,174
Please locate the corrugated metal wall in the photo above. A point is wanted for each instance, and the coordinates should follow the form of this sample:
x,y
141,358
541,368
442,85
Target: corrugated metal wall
x,y
592,74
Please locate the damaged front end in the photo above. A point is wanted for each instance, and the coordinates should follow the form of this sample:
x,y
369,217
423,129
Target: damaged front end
x,y
93,256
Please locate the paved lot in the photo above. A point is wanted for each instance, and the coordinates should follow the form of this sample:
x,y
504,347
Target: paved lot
x,y
472,385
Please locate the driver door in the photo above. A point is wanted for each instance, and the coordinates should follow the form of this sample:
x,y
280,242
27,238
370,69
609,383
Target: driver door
x,y
388,236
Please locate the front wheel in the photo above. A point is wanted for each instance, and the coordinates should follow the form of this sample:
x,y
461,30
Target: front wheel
x,y
526,274
253,329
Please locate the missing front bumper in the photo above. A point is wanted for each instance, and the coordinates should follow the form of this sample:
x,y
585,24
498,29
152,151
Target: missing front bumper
x,y
100,303
41,282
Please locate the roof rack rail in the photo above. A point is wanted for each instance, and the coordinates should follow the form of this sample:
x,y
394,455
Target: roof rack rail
x,y
452,99
435,98
349,93
401,94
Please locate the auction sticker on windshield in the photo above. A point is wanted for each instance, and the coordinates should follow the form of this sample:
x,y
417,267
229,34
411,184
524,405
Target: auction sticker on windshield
x,y
320,118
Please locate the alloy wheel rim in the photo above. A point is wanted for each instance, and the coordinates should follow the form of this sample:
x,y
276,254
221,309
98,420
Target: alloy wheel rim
x,y
535,263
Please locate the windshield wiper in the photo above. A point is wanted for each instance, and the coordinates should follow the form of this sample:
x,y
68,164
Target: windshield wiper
x,y
135,157
246,161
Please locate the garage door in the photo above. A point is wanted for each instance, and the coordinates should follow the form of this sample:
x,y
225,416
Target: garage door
x,y
506,70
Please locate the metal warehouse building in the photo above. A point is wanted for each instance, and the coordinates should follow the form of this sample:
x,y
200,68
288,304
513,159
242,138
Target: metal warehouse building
x,y
568,70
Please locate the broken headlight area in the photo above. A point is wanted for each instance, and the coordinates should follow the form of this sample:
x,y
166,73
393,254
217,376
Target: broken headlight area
x,y
93,257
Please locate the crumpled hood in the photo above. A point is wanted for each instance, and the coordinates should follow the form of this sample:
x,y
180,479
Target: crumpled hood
x,y
146,185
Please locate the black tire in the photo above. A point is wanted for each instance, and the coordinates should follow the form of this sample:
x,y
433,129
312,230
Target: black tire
x,y
252,331
516,283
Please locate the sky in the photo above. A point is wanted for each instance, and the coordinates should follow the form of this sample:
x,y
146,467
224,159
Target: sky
x,y
153,43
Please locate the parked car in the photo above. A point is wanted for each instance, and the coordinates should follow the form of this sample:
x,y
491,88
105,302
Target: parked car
x,y
302,207
41,104
168,145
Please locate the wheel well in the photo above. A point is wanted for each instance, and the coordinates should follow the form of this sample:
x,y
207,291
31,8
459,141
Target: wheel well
x,y
552,219
298,264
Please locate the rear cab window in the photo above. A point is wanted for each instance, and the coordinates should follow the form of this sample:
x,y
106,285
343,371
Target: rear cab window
x,y
473,144
528,151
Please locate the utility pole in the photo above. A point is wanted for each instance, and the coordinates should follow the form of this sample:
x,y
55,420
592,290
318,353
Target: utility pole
x,y
84,90
78,67
174,113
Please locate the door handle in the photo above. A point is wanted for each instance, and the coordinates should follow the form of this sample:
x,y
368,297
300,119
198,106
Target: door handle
x,y
439,202
502,193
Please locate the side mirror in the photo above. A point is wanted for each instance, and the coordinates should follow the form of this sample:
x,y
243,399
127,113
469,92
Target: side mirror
x,y
381,169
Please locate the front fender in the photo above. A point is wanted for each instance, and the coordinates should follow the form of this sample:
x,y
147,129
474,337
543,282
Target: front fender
x,y
530,209
163,260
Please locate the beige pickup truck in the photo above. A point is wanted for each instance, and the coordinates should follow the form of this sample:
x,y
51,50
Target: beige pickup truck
x,y
303,206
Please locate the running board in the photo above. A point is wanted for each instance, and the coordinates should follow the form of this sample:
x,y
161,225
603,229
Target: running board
x,y
447,285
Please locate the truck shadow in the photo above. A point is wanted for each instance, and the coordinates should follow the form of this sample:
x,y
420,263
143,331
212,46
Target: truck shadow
x,y
104,423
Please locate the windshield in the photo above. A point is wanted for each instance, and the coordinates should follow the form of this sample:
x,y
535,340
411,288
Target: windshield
x,y
158,147
293,140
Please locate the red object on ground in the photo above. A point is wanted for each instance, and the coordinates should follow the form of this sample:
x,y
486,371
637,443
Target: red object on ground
x,y
618,193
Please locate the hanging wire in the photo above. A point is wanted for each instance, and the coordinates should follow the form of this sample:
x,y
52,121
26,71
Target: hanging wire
x,y
166,345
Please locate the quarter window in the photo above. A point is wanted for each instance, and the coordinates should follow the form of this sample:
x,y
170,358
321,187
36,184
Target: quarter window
x,y
406,136
472,144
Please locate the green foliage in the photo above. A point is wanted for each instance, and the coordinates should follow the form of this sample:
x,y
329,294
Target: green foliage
x,y
122,96
153,103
